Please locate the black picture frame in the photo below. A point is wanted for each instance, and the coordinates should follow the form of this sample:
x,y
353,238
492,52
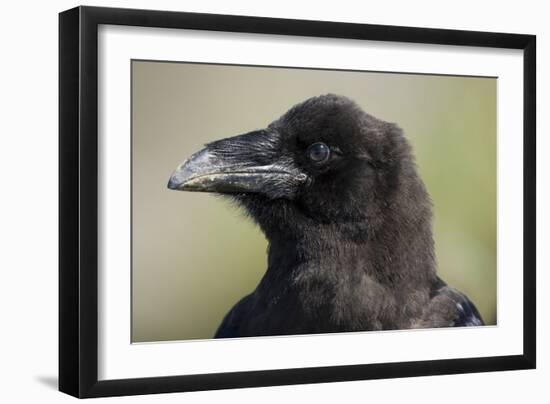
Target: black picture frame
x,y
78,200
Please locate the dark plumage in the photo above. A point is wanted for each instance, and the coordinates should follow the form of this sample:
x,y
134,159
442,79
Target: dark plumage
x,y
348,220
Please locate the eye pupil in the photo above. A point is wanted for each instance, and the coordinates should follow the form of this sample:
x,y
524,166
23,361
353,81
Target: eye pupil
x,y
318,152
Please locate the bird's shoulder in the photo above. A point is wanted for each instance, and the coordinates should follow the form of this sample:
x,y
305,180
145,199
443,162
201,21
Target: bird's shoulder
x,y
449,307
230,326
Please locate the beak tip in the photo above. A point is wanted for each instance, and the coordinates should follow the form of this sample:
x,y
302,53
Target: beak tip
x,y
172,184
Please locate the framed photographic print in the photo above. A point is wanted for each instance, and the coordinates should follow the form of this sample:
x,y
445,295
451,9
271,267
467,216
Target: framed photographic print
x,y
251,201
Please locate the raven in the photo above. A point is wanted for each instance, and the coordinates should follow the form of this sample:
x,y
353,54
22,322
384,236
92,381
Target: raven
x,y
348,220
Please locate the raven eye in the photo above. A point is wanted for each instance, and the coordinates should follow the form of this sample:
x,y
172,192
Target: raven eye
x,y
318,152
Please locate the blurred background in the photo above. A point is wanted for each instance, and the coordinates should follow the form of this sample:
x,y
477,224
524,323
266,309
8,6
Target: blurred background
x,y
195,254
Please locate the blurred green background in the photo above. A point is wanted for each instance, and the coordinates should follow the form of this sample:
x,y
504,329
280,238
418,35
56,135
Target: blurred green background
x,y
195,255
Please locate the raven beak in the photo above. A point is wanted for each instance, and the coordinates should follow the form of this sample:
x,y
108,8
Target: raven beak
x,y
231,170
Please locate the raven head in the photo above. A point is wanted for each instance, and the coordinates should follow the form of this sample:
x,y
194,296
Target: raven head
x,y
324,162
